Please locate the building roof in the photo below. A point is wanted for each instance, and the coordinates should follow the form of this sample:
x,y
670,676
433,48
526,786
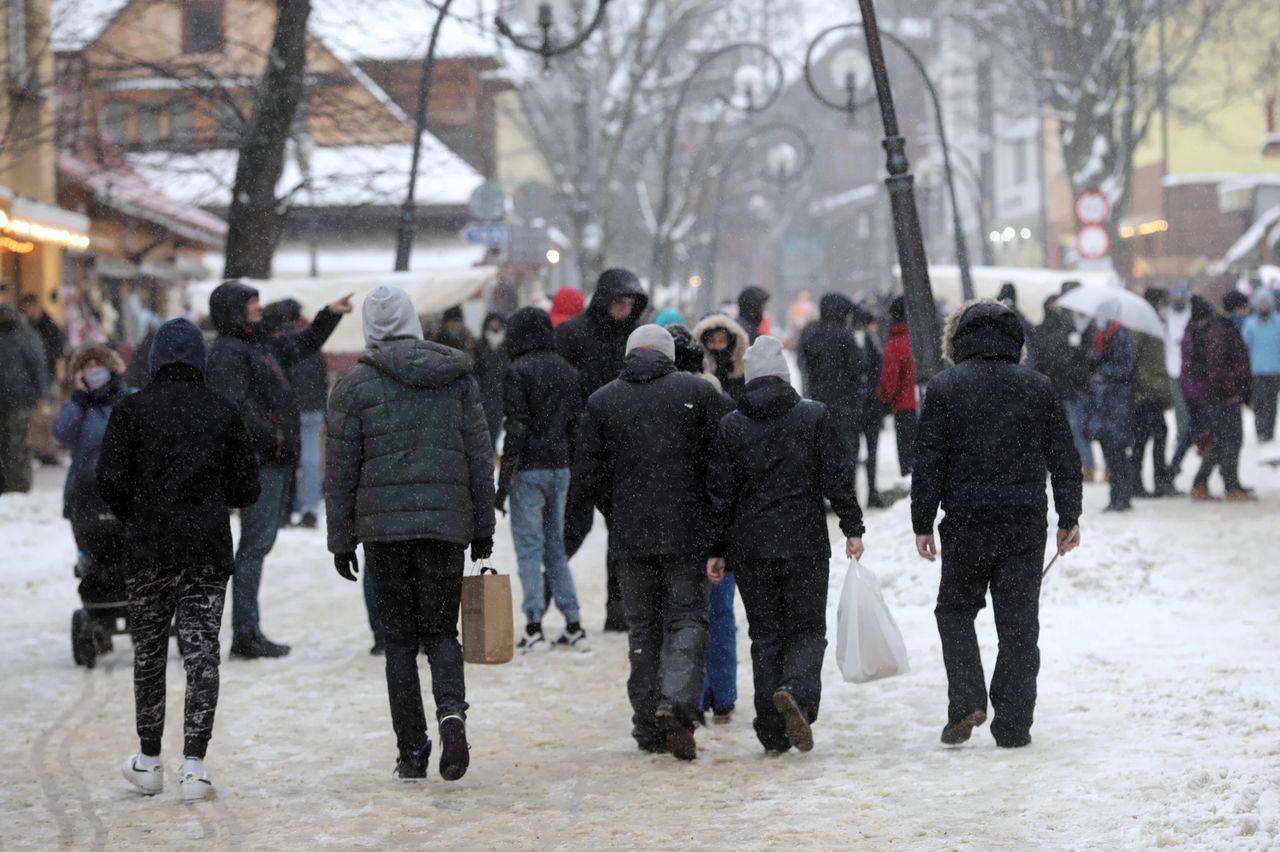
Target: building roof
x,y
76,23
342,176
401,29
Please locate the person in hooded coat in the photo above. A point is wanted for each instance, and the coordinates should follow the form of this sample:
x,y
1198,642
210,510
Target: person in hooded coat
x,y
410,476
873,410
990,431
1218,362
542,396
175,457
897,388
594,343
642,455
1056,352
453,331
22,383
249,367
776,458
491,370
98,378
831,365
1111,421
1151,400
1261,334
725,343
751,305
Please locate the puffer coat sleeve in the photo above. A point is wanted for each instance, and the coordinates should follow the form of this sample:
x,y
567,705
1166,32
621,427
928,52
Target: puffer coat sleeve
x,y
344,449
479,449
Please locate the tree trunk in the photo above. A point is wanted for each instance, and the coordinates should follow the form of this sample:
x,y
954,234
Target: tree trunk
x,y
253,222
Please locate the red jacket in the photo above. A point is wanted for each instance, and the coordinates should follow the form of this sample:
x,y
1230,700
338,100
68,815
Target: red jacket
x,y
897,372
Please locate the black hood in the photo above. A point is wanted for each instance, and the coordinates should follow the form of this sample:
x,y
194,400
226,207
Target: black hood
x,y
418,363
835,308
987,330
767,398
529,330
612,284
227,306
8,317
282,314
751,302
645,365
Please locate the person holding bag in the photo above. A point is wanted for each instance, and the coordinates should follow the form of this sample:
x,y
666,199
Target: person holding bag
x,y
410,474
776,458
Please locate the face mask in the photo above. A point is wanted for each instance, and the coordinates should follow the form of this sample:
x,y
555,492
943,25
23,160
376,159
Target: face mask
x,y
860,338
496,337
97,377
724,361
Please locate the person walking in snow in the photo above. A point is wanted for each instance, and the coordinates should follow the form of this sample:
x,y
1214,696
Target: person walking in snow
x,y
832,367
248,366
453,332
776,458
1056,351
990,431
1114,387
176,455
751,304
491,370
22,383
410,476
873,410
1262,337
594,343
897,387
725,342
1152,400
642,455
542,398
1219,366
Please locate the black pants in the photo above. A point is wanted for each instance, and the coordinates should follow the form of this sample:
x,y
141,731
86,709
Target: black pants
x,y
871,426
1121,473
1227,428
418,587
371,608
196,595
786,603
579,516
1007,558
666,600
1265,390
904,428
1149,425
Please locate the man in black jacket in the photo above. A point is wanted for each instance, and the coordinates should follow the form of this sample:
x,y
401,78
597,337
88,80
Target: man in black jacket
x,y
990,431
1056,351
776,458
751,304
175,457
831,364
594,343
642,454
543,398
249,367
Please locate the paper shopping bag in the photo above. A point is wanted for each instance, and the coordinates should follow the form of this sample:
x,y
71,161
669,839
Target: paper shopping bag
x,y
869,644
488,629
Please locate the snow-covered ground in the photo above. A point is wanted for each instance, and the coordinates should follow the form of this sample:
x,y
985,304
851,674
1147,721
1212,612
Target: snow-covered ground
x,y
1158,722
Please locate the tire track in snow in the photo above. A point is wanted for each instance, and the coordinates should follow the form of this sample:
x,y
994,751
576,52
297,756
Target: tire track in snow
x,y
78,785
40,765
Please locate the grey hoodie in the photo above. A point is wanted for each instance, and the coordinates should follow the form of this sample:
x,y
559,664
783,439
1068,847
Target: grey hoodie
x,y
389,315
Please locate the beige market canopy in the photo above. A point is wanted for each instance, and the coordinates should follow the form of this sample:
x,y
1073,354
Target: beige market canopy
x,y
432,292
1033,284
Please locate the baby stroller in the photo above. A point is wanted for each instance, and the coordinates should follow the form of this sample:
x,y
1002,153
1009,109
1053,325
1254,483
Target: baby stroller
x,y
101,570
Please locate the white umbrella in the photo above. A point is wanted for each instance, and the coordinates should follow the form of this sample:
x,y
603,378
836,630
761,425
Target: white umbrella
x,y
1109,304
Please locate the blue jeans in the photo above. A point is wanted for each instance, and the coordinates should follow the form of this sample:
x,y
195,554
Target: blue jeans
x,y
258,526
1078,419
720,685
307,496
537,526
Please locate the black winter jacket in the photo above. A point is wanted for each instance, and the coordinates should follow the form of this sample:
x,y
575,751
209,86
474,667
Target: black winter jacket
x,y
775,459
593,342
408,454
22,366
491,370
176,455
310,379
1057,353
542,397
643,452
990,430
249,368
830,359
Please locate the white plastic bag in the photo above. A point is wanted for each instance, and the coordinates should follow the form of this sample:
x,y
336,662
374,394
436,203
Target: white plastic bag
x,y
869,644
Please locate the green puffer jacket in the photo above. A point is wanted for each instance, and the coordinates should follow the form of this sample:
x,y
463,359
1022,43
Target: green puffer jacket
x,y
408,454
1153,377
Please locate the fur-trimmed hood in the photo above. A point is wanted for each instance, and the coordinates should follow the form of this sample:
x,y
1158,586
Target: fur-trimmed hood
x,y
104,355
737,337
986,328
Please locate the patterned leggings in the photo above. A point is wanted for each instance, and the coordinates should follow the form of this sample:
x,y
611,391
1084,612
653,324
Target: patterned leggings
x,y
196,594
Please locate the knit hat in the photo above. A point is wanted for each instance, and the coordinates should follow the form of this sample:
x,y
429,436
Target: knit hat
x,y
764,358
652,337
388,314
452,314
177,342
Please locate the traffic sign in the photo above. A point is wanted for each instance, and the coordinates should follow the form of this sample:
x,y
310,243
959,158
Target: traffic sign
x,y
488,203
488,234
1093,242
1092,208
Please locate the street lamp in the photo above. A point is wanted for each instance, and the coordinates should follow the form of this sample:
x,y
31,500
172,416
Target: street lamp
x,y
548,48
749,83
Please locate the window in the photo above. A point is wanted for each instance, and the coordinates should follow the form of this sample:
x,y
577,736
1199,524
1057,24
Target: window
x,y
149,123
202,27
181,121
17,10
115,122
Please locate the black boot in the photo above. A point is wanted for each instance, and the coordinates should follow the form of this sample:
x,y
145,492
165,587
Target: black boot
x,y
455,751
257,647
413,766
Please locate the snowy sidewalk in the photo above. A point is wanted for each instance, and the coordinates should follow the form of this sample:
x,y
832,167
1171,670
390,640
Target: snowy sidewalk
x,y
1158,722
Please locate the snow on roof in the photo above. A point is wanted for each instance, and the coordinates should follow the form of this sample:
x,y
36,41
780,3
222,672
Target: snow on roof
x,y
401,29
75,23
342,176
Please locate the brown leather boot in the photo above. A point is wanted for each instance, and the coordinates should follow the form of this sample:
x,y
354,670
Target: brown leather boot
x,y
1239,495
1087,473
1201,493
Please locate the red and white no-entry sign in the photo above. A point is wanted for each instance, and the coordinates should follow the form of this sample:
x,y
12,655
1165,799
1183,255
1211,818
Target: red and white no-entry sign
x,y
1093,242
1092,208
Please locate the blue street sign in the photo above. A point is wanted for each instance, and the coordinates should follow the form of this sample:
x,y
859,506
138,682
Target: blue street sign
x,y
493,234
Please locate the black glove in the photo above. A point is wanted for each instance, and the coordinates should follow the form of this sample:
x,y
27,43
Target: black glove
x,y
500,502
347,564
481,548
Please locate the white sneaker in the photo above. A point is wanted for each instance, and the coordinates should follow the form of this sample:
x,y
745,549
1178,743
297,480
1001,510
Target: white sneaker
x,y
145,773
575,640
194,781
532,643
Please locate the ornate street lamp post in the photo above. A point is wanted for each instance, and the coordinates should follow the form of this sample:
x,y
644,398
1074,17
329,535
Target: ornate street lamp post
x,y
548,47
